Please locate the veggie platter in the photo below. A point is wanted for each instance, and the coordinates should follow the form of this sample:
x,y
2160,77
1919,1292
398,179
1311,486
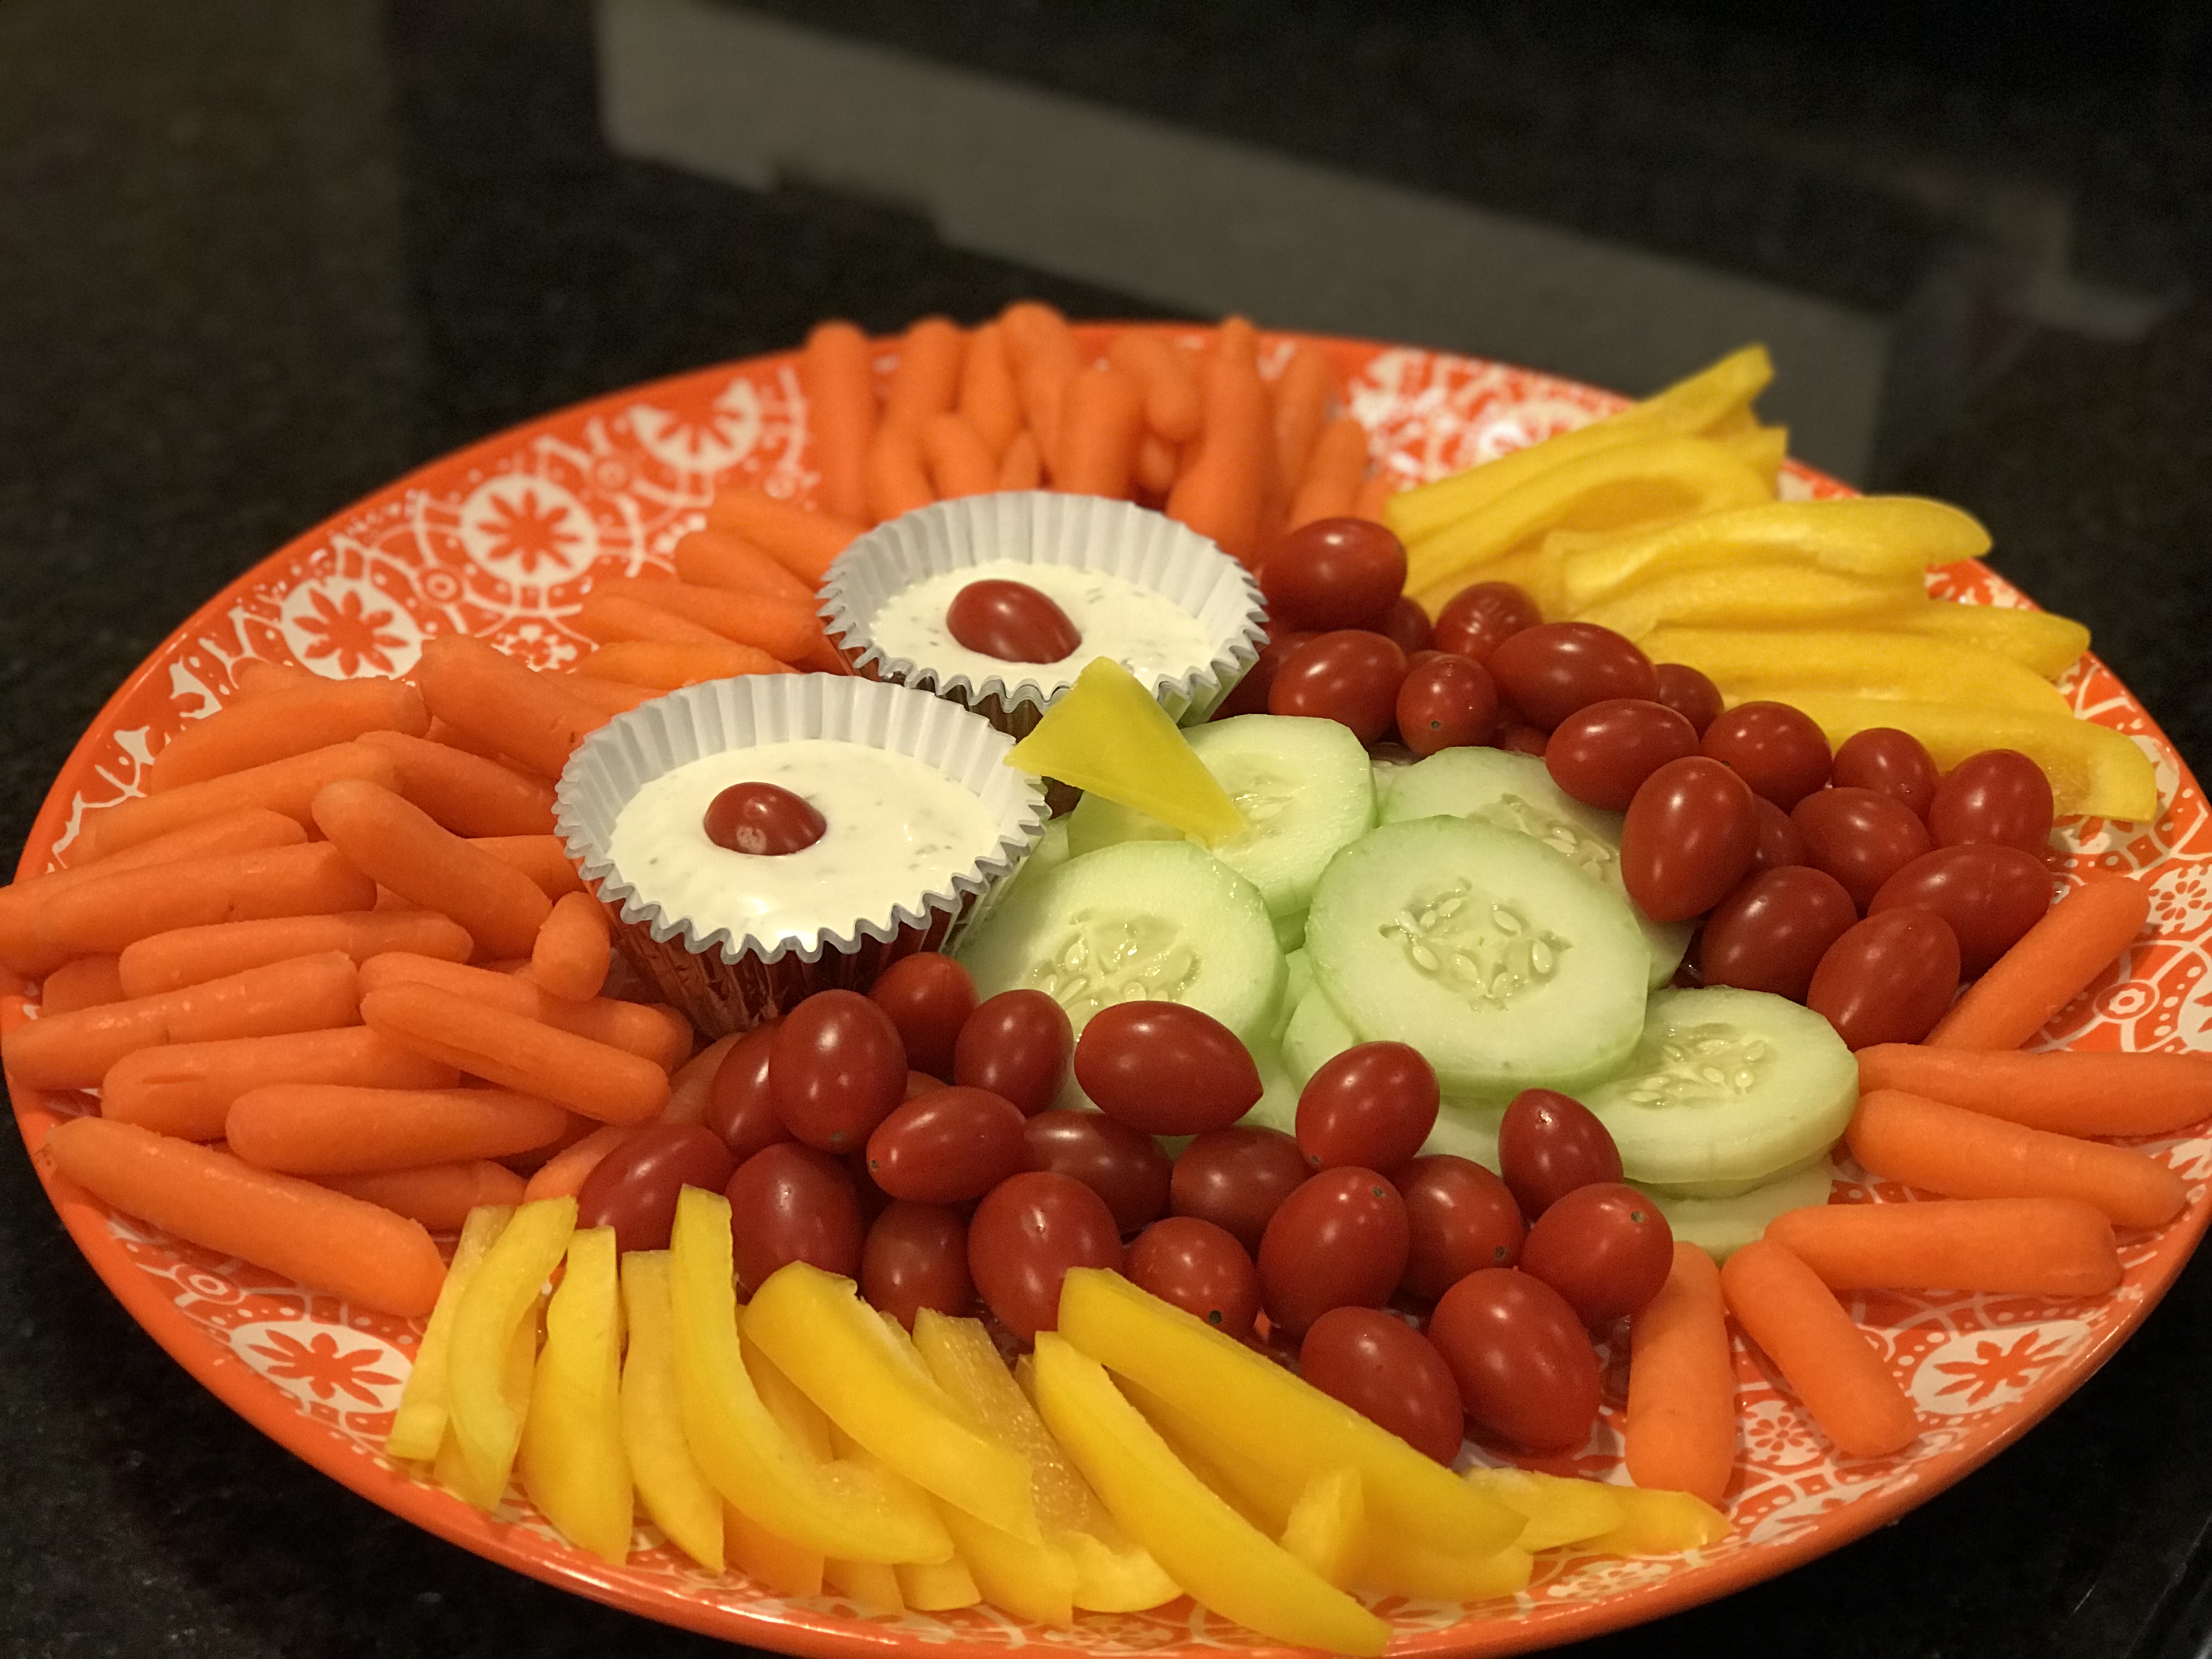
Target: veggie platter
x,y
504,540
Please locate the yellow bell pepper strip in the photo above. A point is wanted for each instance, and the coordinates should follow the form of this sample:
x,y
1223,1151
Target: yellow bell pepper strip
x,y
1109,734
1251,1409
1440,1575
1755,593
571,1458
494,1325
744,1451
938,1588
1036,1581
1220,1558
873,1586
1559,1510
1715,400
1761,448
2094,769
1867,662
1328,1527
419,1426
1108,1572
771,1562
669,1484
928,1587
1623,487
1266,1491
2050,645
1658,1523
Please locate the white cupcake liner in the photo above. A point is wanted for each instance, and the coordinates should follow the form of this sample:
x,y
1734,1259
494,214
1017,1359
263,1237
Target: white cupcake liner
x,y
1039,526
727,980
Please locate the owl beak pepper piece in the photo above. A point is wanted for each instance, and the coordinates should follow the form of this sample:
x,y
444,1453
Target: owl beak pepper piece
x,y
495,1345
573,1466
675,1493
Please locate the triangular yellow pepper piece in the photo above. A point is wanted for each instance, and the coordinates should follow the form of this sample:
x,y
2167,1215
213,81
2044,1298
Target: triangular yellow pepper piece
x,y
1109,736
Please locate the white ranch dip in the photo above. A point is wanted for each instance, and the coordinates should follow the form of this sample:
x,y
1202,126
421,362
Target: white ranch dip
x,y
896,829
1149,634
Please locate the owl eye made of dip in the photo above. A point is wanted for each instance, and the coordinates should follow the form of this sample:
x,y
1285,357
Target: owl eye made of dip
x,y
761,818
1010,621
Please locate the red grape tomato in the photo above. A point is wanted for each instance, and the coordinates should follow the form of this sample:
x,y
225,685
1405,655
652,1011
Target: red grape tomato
x,y
762,819
1012,622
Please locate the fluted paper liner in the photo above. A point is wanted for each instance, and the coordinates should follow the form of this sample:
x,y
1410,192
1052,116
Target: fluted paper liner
x,y
1039,526
728,980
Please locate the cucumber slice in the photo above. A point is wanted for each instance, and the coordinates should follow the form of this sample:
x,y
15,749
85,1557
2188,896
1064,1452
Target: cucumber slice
x,y
1727,1085
1278,1105
1098,822
1314,1032
1515,792
1298,980
1161,919
1469,1130
1722,1227
1485,949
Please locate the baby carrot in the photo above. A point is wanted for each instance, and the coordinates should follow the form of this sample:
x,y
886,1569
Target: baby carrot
x,y
193,956
401,847
1101,422
185,1088
314,879
927,378
1304,392
1157,465
562,1174
2004,1246
533,717
439,1195
611,618
1236,340
284,785
517,1052
653,1029
1170,382
959,461
286,722
990,402
541,858
446,735
569,958
609,697
803,543
1020,467
2047,967
723,559
1829,1362
786,630
666,668
337,1128
1375,494
1041,349
257,679
2072,1091
1681,1432
465,792
692,1084
898,471
1223,493
1962,1154
83,982
325,1240
837,371
1329,487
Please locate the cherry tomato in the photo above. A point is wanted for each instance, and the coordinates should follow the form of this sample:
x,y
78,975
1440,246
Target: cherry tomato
x,y
929,997
873,1199
633,1188
1010,621
1998,796
1601,754
1548,671
1479,618
1372,1105
1124,1166
1408,625
838,1069
1459,1217
1549,1144
947,1146
1990,894
1200,1268
1770,934
1446,703
1016,1044
1338,1241
1350,677
1237,1178
1688,838
1165,1069
762,819
1517,737
1334,572
1890,763
1781,843
1025,1235
1888,978
791,1203
1689,693
920,1083
917,1257
1249,695
1524,1362
1774,748
1389,1373
1606,1249
1859,837
741,1109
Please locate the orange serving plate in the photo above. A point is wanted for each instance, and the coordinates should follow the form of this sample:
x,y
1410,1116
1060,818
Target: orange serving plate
x,y
500,540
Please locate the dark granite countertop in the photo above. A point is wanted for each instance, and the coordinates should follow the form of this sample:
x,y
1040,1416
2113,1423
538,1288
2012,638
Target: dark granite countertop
x,y
256,259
